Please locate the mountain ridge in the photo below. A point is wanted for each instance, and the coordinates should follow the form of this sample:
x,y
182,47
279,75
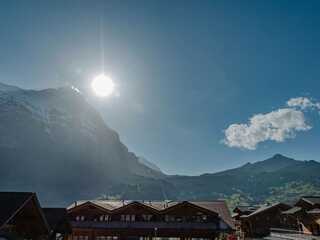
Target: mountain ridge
x,y
54,142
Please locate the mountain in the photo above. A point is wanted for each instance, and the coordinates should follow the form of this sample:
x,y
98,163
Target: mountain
x,y
278,178
149,164
53,142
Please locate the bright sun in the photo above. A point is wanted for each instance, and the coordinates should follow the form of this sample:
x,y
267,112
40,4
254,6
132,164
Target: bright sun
x,y
102,85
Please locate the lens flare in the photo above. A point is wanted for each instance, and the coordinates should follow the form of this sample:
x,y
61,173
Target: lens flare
x,y
102,85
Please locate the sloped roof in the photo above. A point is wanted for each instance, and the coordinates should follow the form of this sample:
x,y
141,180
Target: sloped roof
x,y
311,199
220,207
246,208
11,203
292,210
265,208
314,211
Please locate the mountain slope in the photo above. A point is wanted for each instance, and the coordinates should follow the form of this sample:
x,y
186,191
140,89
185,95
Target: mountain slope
x,y
255,182
149,164
53,142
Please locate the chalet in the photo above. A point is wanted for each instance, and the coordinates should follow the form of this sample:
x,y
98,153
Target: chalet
x,y
21,216
58,221
308,202
259,222
304,216
112,220
239,211
243,210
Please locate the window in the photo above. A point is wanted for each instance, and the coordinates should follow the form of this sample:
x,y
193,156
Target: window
x,y
80,218
146,217
83,237
128,218
169,218
104,218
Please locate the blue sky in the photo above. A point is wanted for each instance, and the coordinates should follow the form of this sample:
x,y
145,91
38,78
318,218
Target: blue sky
x,y
185,70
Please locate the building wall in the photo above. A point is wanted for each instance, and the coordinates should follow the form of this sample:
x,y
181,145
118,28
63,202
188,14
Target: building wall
x,y
202,223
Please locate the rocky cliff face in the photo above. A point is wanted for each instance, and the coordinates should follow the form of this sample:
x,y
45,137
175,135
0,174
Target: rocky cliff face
x,y
53,142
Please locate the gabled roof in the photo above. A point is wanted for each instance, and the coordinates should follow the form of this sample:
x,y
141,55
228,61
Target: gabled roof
x,y
12,202
314,211
311,199
245,208
137,203
292,210
97,204
220,207
266,208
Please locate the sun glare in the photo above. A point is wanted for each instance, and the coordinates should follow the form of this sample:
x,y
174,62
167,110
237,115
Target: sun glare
x,y
102,85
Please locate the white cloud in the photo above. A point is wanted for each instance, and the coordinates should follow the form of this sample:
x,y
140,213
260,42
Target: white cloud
x,y
276,126
303,103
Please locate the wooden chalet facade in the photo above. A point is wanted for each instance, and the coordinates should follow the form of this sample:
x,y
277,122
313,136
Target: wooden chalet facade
x,y
113,220
237,213
258,223
21,217
300,220
304,216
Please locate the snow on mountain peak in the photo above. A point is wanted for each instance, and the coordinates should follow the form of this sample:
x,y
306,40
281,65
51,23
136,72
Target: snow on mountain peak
x,y
8,88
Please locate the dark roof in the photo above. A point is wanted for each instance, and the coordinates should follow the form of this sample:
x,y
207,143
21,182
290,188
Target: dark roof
x,y
246,208
57,218
292,210
218,206
11,203
265,208
311,199
314,211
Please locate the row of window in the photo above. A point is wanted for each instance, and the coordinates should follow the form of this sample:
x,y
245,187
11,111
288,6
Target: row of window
x,y
106,238
148,217
80,237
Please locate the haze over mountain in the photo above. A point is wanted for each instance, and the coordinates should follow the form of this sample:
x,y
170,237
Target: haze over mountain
x,y
55,143
52,141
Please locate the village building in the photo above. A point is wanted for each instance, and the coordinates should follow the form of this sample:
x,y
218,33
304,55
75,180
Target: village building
x,y
304,216
257,223
22,217
57,218
113,220
239,211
